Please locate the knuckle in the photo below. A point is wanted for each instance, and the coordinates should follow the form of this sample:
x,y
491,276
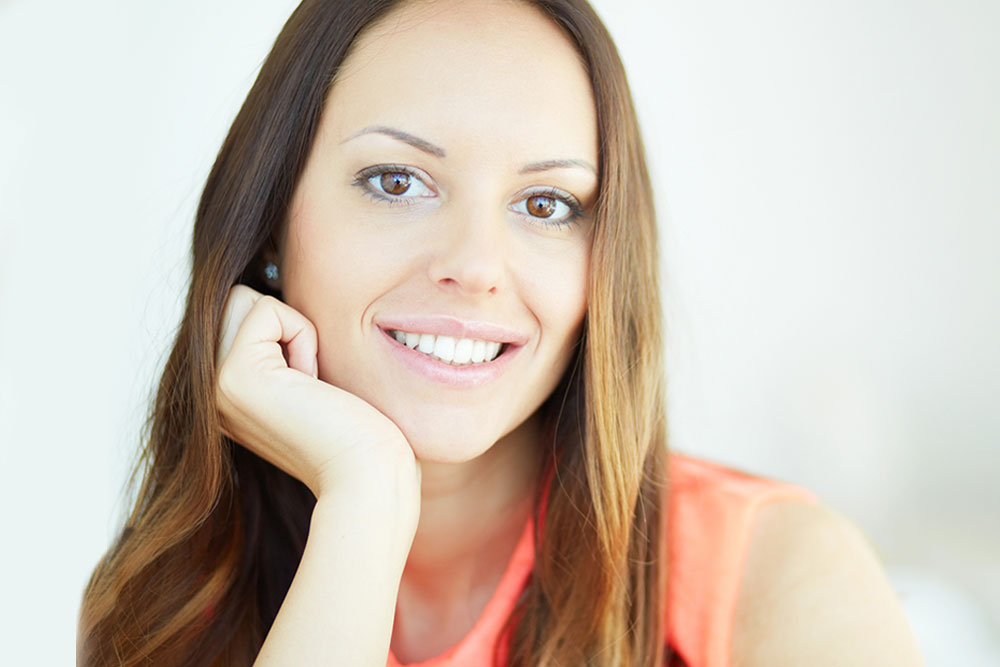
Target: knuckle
x,y
241,291
240,298
275,306
235,294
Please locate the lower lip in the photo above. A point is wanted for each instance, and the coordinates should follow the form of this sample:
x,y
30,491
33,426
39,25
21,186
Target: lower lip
x,y
463,377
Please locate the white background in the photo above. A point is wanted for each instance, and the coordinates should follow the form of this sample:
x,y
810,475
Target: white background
x,y
827,179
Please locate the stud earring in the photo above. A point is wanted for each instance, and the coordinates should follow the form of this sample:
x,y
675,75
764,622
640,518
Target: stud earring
x,y
271,271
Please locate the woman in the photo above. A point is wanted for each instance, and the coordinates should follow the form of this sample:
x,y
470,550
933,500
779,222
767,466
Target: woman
x,y
415,410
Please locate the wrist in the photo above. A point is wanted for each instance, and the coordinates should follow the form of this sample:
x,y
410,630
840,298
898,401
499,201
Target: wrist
x,y
382,510
376,475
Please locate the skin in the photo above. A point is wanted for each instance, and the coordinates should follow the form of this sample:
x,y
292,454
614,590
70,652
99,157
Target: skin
x,y
405,469
813,593
451,245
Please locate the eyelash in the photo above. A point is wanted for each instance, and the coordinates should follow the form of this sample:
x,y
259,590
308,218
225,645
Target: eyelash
x,y
365,175
362,178
571,202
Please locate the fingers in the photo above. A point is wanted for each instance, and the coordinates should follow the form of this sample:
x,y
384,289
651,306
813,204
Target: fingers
x,y
269,401
264,325
302,349
239,302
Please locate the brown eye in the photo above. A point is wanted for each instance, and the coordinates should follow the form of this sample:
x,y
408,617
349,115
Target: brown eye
x,y
395,182
541,207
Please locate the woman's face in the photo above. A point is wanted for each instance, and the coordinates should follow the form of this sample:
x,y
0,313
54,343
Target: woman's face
x,y
447,197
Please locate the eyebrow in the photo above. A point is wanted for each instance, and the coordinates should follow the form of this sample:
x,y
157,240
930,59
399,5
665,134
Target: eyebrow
x,y
428,147
405,137
556,164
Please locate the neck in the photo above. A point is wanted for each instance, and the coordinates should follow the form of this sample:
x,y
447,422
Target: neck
x,y
471,516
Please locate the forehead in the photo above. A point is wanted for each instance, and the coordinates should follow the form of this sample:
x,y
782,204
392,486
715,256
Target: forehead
x,y
498,74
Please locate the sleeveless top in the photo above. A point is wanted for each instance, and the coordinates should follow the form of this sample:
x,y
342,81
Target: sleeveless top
x,y
712,509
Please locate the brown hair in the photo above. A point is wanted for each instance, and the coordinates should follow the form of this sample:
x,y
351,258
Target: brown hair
x,y
204,560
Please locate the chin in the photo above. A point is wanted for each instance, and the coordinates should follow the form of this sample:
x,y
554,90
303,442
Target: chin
x,y
454,428
446,442
450,433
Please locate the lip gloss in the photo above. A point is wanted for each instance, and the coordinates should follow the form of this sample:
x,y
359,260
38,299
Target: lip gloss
x,y
435,370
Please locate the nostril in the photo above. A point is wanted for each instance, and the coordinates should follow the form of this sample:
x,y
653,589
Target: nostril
x,y
470,268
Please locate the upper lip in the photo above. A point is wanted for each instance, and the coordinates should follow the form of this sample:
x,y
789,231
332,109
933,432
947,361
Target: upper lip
x,y
445,325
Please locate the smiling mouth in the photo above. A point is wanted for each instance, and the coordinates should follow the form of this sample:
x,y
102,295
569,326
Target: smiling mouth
x,y
450,350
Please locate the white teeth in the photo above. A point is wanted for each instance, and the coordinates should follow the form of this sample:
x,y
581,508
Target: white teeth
x,y
478,351
463,351
426,344
444,348
456,351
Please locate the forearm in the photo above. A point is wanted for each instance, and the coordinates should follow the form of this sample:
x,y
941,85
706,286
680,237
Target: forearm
x,y
339,608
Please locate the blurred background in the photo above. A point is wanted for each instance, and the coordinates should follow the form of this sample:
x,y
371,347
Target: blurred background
x,y
827,182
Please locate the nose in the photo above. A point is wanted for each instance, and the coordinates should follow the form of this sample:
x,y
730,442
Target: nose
x,y
471,255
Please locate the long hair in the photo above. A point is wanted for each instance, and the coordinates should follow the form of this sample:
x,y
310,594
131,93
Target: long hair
x,y
204,559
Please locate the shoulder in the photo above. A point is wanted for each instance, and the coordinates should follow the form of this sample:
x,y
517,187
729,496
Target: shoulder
x,y
712,512
760,573
813,592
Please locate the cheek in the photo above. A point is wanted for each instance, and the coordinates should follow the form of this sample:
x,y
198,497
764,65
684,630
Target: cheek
x,y
558,295
331,272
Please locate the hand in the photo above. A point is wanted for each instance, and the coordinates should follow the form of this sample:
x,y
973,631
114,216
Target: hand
x,y
271,401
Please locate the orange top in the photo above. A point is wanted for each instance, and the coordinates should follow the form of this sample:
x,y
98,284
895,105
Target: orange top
x,y
711,516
